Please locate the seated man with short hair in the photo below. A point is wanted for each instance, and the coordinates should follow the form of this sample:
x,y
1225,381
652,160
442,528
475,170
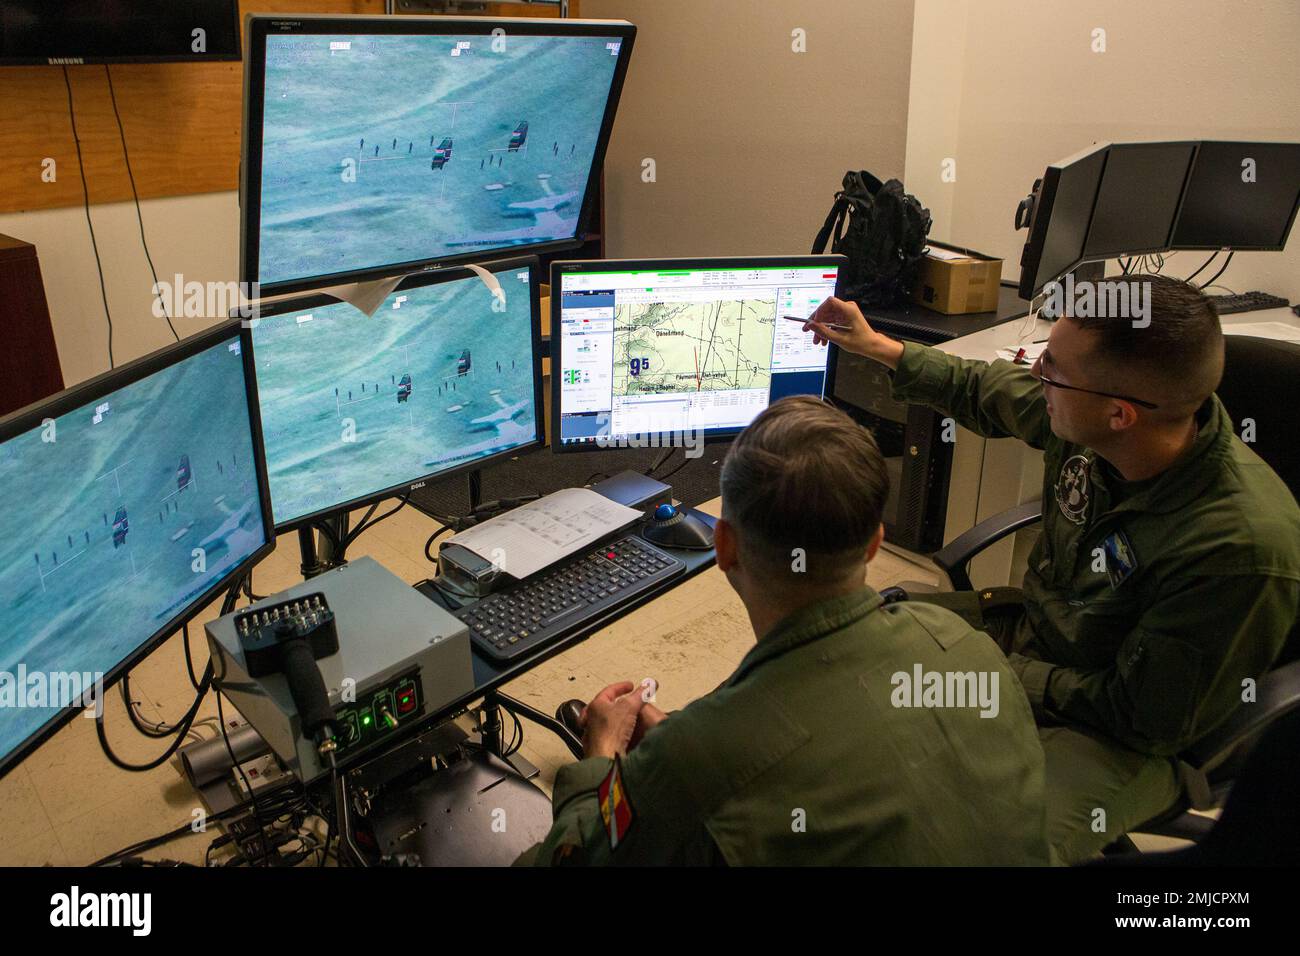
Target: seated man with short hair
x,y
1167,576
852,733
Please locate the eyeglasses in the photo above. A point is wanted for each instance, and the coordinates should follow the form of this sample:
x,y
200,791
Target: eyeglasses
x,y
1075,388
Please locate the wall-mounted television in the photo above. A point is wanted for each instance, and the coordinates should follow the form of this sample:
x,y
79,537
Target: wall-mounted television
x,y
35,32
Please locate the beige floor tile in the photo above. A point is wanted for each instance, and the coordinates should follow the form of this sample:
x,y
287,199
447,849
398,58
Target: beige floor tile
x,y
23,820
149,812
42,849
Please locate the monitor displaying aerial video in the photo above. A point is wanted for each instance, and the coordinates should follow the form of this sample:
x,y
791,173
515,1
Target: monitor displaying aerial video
x,y
445,375
664,351
375,146
127,503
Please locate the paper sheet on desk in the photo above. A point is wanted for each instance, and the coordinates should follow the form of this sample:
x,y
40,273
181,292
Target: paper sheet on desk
x,y
535,535
1264,330
1032,351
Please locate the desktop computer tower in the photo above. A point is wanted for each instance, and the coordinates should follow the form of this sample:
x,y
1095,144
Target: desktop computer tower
x,y
911,439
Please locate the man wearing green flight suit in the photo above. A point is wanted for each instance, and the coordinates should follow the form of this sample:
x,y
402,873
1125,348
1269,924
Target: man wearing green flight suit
x,y
852,733
1167,576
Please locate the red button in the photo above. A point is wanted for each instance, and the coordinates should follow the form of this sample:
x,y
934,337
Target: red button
x,y
610,555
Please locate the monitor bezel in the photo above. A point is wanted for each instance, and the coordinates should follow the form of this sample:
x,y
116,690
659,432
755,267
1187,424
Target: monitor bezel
x,y
256,29
1286,231
560,268
91,390
1040,221
233,56
1126,146
418,281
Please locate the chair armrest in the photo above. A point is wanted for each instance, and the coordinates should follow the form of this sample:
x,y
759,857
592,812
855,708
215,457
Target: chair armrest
x,y
1278,694
956,554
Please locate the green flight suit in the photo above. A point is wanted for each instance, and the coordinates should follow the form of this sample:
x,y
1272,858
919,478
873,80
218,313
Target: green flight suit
x,y
1142,655
801,757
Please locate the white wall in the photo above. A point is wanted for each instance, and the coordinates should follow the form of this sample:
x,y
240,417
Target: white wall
x,y
750,139
1031,91
197,236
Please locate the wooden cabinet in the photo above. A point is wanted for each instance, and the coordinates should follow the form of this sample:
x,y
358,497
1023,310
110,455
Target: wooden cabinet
x,y
29,361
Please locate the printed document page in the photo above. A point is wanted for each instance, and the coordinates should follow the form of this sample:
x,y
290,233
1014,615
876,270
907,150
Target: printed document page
x,y
539,533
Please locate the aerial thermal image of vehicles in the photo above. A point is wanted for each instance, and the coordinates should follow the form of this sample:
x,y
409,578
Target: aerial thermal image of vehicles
x,y
183,473
404,388
463,363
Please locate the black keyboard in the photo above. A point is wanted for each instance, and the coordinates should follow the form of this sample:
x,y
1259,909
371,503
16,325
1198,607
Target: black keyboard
x,y
559,600
1247,302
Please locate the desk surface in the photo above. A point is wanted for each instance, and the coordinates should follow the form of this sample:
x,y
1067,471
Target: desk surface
x,y
984,344
489,674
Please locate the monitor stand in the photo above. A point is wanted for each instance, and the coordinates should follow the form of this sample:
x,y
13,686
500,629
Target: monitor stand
x,y
318,555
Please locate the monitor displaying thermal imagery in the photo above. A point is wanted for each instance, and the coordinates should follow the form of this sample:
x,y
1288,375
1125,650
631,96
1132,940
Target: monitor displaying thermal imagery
x,y
355,406
119,516
378,150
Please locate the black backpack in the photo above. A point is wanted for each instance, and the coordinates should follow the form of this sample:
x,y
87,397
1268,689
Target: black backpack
x,y
884,239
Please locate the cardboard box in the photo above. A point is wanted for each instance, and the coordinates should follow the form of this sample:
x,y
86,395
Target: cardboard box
x,y
957,281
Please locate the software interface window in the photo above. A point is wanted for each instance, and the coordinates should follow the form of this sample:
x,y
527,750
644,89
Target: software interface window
x,y
695,349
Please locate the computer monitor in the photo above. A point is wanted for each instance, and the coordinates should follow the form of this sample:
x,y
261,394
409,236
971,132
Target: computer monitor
x,y
1240,196
36,32
666,352
128,503
377,146
1137,202
1062,212
444,377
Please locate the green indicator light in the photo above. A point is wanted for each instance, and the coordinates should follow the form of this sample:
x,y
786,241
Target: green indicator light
x,y
366,720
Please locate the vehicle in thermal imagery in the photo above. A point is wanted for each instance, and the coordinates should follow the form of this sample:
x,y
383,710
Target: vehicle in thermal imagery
x,y
441,154
463,363
518,137
404,388
120,528
183,473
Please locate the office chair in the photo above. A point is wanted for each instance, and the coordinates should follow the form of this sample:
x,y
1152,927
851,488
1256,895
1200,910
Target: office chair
x,y
1259,825
1255,373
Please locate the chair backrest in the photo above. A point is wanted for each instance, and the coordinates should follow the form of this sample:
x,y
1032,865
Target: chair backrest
x,y
1261,379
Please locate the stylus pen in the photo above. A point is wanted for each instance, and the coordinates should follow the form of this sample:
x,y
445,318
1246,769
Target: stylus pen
x,y
836,328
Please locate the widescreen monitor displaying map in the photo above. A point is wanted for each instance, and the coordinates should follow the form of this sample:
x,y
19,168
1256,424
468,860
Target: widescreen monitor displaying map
x,y
665,352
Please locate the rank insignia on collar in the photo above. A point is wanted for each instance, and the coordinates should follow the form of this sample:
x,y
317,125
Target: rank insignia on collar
x,y
615,807
1072,488
1121,562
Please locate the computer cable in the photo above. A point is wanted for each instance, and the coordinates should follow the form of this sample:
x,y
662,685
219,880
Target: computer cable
x,y
182,731
248,589
1226,262
189,657
252,794
674,470
279,795
182,728
1213,255
85,192
428,545
121,133
143,726
659,462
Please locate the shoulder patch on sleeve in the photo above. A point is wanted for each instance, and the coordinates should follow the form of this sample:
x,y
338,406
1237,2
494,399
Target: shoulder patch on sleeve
x,y
615,805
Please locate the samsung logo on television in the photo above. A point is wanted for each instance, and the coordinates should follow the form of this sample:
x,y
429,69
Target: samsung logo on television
x,y
66,60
